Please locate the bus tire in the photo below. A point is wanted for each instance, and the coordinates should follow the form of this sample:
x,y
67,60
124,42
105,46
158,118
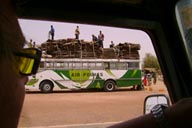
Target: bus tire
x,y
140,87
109,86
46,86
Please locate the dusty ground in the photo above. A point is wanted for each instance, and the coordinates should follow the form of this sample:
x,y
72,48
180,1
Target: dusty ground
x,y
72,108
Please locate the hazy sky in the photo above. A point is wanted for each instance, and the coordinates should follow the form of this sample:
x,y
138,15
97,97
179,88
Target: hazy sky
x,y
38,32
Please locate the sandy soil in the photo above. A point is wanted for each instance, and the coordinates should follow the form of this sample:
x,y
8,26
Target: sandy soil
x,y
67,108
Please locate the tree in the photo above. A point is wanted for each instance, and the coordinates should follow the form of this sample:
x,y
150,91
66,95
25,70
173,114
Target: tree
x,y
150,61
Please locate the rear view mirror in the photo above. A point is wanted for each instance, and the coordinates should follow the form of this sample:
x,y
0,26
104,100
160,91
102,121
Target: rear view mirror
x,y
152,100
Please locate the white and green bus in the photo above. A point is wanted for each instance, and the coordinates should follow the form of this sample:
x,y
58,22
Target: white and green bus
x,y
106,74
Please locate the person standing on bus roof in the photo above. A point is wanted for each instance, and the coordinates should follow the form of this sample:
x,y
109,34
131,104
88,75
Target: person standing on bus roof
x,y
94,38
112,44
34,44
30,43
77,33
52,32
101,38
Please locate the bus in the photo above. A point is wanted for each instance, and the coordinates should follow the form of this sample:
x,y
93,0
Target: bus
x,y
75,73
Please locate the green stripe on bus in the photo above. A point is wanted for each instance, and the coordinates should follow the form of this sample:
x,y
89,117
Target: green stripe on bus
x,y
109,72
59,85
97,82
32,82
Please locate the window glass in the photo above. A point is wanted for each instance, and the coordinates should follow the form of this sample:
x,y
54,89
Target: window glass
x,y
41,65
70,64
49,65
92,66
113,66
184,18
123,66
78,96
64,65
99,65
59,65
107,65
85,65
133,64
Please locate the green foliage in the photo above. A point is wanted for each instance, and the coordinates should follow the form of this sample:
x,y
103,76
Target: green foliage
x,y
150,61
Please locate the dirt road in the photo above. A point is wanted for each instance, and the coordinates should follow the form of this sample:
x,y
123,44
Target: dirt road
x,y
72,108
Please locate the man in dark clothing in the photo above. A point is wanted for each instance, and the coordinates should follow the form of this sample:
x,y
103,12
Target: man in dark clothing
x,y
101,38
52,32
94,38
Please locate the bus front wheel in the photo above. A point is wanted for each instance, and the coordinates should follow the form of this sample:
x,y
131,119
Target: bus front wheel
x,y
109,86
46,86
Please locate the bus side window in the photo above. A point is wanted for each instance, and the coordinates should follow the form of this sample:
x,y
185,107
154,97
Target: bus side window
x,y
85,65
41,65
113,65
99,66
122,66
59,65
48,65
78,65
106,65
56,65
92,66
125,66
70,65
65,65
132,65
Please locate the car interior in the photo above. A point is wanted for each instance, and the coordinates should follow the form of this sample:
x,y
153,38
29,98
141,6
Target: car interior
x,y
167,22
